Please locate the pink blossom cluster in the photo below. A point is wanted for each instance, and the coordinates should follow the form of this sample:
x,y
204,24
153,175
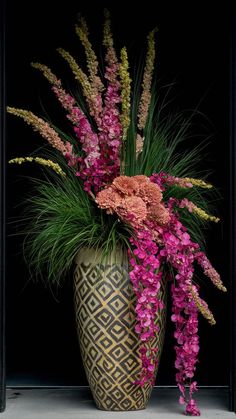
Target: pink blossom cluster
x,y
146,275
179,251
100,162
110,130
89,168
209,270
138,201
163,179
159,238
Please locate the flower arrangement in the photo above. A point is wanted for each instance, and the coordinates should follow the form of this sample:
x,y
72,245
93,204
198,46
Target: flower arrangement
x,y
118,179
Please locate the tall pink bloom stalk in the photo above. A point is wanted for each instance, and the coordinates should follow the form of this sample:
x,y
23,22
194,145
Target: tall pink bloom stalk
x,y
146,276
100,162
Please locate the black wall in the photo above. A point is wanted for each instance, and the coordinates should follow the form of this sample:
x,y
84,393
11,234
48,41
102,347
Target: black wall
x,y
193,52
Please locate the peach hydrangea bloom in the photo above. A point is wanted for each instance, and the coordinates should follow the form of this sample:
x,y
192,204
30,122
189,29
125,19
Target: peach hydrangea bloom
x,y
159,214
134,199
133,208
150,193
108,199
126,185
141,179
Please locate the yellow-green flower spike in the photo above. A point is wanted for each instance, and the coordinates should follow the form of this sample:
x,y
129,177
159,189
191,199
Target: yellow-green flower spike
x,y
83,25
107,34
48,74
198,182
203,214
92,62
125,82
78,73
110,57
41,161
147,81
202,307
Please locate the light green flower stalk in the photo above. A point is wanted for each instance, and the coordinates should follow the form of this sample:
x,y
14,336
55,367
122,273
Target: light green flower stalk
x,y
92,62
202,306
83,25
41,161
107,34
78,73
125,82
111,57
198,182
42,127
90,93
203,214
48,74
147,81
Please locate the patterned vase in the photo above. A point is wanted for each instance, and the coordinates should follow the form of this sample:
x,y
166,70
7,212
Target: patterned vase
x,y
104,306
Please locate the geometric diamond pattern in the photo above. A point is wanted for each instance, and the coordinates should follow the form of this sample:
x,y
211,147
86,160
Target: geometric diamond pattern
x,y
105,317
117,304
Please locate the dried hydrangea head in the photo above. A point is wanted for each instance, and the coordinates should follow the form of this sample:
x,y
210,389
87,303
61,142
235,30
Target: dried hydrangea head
x,y
150,193
133,209
141,179
126,185
159,213
108,199
134,199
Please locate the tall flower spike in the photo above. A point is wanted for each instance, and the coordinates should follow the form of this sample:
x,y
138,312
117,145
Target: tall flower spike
x,y
139,144
198,182
42,127
78,73
82,128
203,214
202,305
210,271
147,81
47,74
185,182
107,35
91,96
41,161
92,62
125,82
83,25
67,101
194,209
108,40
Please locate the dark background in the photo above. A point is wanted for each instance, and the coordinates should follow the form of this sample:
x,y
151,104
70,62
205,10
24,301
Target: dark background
x,y
193,52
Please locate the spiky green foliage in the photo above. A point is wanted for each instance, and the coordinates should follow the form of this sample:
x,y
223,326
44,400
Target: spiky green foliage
x,y
169,147
60,218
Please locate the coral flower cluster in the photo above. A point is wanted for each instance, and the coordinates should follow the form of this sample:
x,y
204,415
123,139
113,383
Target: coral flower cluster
x,y
135,199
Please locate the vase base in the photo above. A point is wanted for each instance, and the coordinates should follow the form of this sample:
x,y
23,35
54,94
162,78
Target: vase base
x,y
118,409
